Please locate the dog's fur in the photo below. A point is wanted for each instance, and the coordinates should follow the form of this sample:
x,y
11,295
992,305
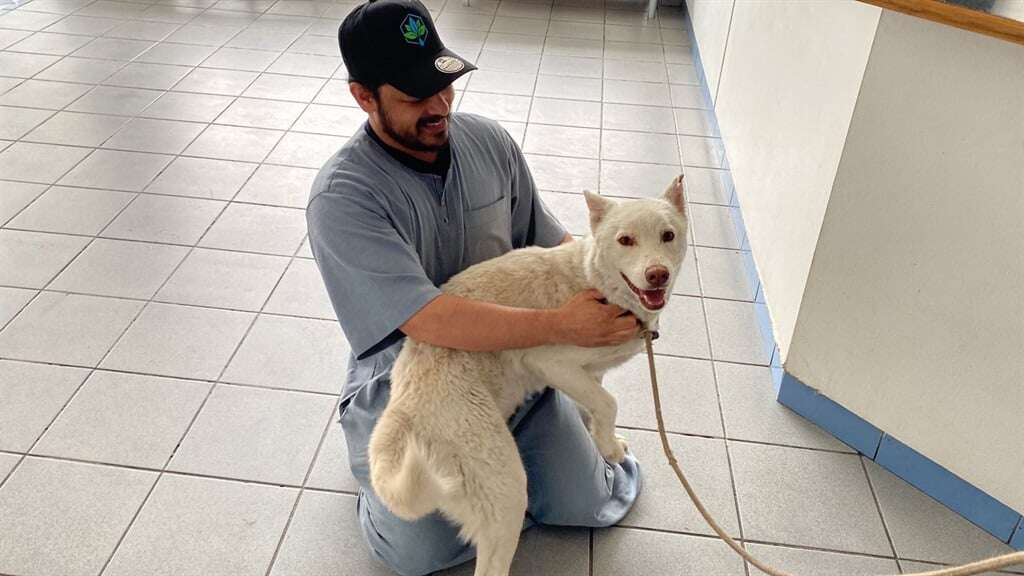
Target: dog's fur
x,y
443,443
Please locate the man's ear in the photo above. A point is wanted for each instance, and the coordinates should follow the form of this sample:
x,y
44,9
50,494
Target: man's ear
x,y
363,96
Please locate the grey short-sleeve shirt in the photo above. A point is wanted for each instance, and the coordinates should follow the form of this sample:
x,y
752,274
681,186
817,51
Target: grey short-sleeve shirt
x,y
385,236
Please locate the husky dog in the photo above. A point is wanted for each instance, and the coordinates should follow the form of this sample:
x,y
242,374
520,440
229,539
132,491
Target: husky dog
x,y
443,443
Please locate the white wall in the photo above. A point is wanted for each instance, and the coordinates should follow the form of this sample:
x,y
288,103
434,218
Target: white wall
x,y
788,86
711,27
913,316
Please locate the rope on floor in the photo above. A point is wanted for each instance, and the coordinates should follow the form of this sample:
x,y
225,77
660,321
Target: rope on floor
x,y
964,570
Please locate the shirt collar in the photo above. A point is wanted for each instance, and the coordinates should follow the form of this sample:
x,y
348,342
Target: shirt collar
x,y
439,167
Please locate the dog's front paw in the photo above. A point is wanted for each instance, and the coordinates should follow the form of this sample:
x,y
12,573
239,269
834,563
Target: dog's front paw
x,y
622,442
615,451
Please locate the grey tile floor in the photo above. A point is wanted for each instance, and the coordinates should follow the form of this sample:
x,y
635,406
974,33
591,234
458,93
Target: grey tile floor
x,y
169,362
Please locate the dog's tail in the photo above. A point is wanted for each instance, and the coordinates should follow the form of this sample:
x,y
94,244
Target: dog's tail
x,y
399,469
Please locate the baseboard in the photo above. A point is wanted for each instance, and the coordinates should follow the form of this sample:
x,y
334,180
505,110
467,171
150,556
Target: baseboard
x,y
1018,536
915,468
851,429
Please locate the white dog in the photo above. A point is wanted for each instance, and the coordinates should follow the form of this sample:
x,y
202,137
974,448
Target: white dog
x,y
443,443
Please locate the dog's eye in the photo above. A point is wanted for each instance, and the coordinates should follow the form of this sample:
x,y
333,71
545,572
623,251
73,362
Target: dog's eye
x,y
668,236
626,240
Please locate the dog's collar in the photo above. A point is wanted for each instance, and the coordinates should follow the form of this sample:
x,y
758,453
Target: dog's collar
x,y
643,326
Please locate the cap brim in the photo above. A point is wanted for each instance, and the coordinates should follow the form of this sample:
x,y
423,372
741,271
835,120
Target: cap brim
x,y
432,75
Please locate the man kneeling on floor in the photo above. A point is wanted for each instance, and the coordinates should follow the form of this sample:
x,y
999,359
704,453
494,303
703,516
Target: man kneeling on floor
x,y
417,195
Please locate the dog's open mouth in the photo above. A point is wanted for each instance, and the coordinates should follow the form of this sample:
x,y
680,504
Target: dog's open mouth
x,y
650,299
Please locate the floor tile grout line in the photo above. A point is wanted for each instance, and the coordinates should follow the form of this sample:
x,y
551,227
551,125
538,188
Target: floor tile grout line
x,y
226,108
318,318
193,67
714,373
711,536
192,248
747,441
135,515
231,384
199,410
878,508
4,223
4,325
676,433
282,207
818,549
172,90
600,123
158,194
325,318
95,37
308,391
10,473
590,555
114,345
302,489
252,324
182,473
64,108
728,454
256,165
707,535
80,385
195,416
173,303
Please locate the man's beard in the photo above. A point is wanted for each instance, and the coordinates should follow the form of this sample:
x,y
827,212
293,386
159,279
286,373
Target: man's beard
x,y
411,139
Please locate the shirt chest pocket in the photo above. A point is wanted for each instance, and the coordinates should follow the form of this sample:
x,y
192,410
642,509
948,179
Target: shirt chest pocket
x,y
488,231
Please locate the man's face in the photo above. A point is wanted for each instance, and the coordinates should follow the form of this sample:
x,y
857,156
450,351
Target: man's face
x,y
420,125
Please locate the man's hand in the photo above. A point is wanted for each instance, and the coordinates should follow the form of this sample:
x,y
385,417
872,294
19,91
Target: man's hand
x,y
587,321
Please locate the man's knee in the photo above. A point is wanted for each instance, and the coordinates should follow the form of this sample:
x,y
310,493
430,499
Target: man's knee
x,y
412,548
605,504
417,558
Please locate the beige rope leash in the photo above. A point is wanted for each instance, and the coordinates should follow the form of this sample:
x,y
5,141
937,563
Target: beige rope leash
x,y
964,570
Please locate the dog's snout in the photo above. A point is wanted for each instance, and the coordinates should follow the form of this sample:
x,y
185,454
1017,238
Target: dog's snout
x,y
657,276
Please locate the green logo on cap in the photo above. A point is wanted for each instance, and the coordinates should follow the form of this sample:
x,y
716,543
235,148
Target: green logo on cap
x,y
414,30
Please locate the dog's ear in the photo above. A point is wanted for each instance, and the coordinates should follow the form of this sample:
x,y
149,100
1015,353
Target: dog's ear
x,y
674,194
598,206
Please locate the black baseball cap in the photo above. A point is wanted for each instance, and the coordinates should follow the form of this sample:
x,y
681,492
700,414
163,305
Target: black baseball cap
x,y
395,42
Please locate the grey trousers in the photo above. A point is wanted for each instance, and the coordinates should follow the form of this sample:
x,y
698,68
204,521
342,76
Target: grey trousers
x,y
569,483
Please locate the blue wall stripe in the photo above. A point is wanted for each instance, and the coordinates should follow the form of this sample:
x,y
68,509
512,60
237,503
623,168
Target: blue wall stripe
x,y
1017,541
840,422
921,472
941,484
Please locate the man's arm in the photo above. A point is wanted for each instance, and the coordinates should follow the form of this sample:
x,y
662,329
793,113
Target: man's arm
x,y
465,324
454,322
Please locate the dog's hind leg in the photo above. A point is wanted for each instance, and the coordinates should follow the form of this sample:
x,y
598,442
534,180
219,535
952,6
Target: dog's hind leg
x,y
496,546
492,501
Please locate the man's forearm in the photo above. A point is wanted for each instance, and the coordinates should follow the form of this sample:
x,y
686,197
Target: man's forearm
x,y
464,324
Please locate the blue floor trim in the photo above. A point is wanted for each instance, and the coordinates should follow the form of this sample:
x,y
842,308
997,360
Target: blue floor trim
x,y
941,484
1017,540
921,472
840,422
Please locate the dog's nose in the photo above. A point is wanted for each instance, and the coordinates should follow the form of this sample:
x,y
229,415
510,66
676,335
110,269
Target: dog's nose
x,y
657,276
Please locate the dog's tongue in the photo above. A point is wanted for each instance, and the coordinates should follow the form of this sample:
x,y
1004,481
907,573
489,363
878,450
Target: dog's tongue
x,y
652,299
